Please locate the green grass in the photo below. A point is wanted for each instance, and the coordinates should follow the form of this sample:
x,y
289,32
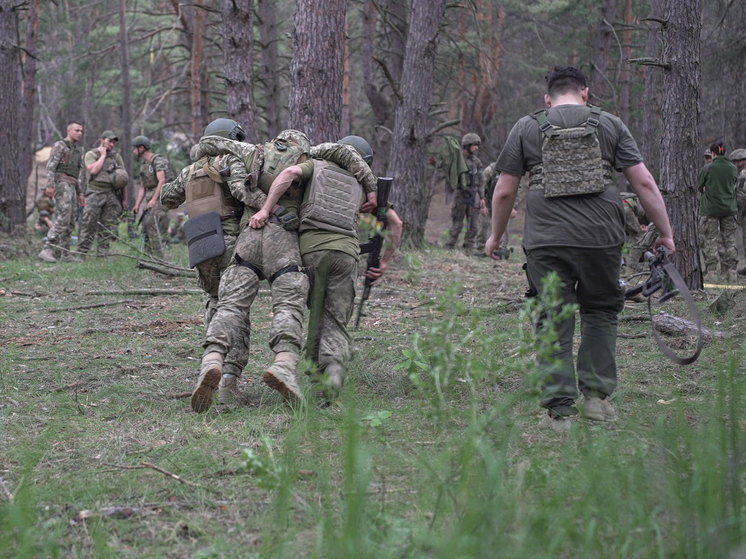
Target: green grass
x,y
433,451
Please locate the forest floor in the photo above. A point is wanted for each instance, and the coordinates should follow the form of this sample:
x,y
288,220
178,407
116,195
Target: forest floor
x,y
434,449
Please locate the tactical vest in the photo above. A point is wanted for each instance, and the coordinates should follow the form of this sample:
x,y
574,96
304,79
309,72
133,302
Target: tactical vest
x,y
332,200
278,155
71,162
102,181
206,192
149,175
571,159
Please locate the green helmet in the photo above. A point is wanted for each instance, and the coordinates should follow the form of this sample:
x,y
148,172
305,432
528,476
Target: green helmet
x,y
225,128
141,141
361,146
737,154
120,178
470,138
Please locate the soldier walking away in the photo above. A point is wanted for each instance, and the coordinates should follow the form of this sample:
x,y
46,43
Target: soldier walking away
x,y
66,174
718,212
468,201
155,171
102,206
575,228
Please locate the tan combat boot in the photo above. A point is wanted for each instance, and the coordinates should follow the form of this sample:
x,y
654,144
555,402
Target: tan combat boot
x,y
46,255
281,376
209,377
228,392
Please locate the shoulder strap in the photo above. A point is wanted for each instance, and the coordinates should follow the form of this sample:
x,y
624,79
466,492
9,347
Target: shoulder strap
x,y
593,119
544,125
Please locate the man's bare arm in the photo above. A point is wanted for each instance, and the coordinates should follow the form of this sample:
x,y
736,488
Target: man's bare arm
x,y
503,200
643,183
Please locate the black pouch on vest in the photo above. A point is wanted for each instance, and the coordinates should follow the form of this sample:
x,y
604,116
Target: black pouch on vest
x,y
204,235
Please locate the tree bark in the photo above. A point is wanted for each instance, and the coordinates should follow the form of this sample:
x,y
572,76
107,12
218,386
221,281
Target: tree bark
x,y
238,57
651,116
126,134
26,140
198,119
680,117
12,188
602,93
407,156
317,68
270,73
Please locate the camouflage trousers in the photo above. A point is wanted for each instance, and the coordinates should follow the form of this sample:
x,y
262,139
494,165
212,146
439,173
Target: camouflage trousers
x,y
639,246
270,252
485,230
463,208
719,242
332,342
66,208
103,208
152,224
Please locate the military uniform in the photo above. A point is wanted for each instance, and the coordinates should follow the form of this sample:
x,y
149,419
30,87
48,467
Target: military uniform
x,y
101,205
639,241
45,207
153,222
67,174
580,238
489,179
221,153
718,210
466,205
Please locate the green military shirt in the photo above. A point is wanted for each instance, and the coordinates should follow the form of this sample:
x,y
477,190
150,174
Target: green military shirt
x,y
717,182
591,221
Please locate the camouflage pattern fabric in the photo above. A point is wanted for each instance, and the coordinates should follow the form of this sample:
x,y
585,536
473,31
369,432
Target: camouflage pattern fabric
x,y
61,157
741,201
332,340
466,205
66,204
45,207
719,242
643,244
269,249
152,224
100,207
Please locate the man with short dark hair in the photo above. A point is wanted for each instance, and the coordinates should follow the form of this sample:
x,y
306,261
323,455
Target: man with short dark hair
x,y
575,228
67,175
718,210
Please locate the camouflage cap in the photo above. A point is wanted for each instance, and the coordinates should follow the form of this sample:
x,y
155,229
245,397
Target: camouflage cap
x,y
295,137
738,154
109,135
708,153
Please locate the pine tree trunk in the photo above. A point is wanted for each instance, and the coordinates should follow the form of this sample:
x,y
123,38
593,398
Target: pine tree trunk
x,y
126,133
26,139
198,119
317,68
651,116
12,188
407,157
238,49
680,116
270,74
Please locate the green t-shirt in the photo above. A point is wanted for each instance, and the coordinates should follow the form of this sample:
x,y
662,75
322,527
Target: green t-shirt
x,y
591,221
717,182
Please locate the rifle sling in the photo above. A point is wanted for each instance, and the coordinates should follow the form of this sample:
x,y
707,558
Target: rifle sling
x,y
679,284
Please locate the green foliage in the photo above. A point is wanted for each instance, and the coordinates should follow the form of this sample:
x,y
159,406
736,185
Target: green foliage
x,y
263,465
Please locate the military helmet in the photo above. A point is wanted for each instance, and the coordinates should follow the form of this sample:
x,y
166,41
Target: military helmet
x,y
141,141
295,137
119,178
737,154
470,138
361,146
225,128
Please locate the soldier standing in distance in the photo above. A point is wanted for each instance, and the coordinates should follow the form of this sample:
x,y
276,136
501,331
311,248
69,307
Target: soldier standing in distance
x,y
155,171
575,228
469,200
101,204
738,157
67,175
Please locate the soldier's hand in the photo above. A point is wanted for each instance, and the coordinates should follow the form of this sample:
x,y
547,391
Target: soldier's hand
x,y
491,246
101,150
152,203
259,219
375,274
666,242
81,200
370,203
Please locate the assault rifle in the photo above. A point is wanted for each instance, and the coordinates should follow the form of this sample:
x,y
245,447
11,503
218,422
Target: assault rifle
x,y
372,247
665,278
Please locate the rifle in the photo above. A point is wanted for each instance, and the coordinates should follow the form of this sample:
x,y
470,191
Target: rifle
x,y
372,247
665,278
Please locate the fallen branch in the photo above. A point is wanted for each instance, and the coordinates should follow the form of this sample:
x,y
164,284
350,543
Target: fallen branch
x,y
174,476
177,395
634,318
675,326
181,272
93,306
631,336
148,292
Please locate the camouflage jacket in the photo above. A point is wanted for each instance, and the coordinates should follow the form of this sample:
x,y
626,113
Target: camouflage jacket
x,y
67,156
149,172
349,159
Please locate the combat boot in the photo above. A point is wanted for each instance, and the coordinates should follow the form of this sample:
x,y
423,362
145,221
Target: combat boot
x,y
228,392
209,377
281,376
70,257
46,255
598,409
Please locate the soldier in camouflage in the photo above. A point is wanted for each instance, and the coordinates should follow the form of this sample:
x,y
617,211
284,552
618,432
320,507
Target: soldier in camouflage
x,y
45,207
102,206
489,176
468,201
718,212
155,171
738,157
331,252
67,175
